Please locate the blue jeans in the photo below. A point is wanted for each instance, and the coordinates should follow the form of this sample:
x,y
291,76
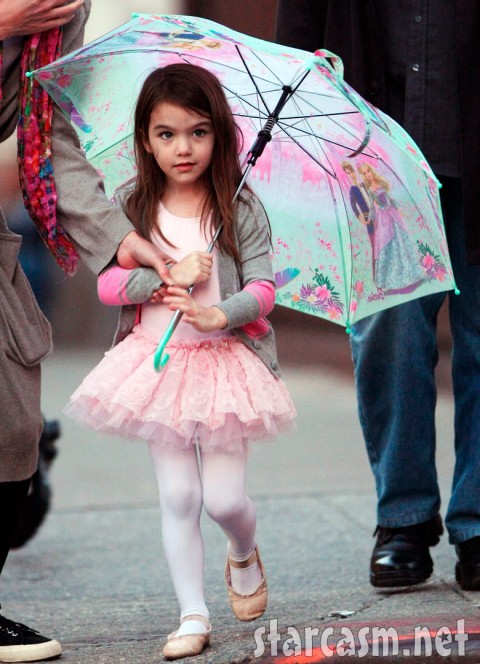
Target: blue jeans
x,y
395,354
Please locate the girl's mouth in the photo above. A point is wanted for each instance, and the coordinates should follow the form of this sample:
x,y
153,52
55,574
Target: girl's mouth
x,y
184,166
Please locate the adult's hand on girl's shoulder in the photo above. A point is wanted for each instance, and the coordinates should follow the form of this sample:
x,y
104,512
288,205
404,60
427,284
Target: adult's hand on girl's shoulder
x,y
26,17
134,251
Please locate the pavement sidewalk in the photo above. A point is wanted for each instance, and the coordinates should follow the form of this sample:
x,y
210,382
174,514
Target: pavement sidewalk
x,y
95,578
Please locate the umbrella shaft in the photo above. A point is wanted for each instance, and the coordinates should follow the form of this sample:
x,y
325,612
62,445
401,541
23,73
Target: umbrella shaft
x,y
287,92
265,134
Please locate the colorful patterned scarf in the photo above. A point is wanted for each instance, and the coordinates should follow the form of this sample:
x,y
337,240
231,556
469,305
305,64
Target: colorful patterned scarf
x,y
34,135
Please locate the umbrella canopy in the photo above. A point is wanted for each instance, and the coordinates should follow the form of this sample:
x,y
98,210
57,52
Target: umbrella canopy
x,y
354,206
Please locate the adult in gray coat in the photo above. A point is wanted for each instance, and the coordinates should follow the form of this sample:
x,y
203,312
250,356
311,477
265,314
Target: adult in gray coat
x,y
98,231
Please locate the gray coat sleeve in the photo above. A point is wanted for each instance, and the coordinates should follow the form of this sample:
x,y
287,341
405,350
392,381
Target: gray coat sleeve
x,y
95,226
142,283
253,235
132,287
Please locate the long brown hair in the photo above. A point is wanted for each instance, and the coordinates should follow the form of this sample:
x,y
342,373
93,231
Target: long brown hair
x,y
197,89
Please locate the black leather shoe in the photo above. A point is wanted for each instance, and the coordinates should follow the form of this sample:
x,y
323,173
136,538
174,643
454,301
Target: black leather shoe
x,y
401,556
467,570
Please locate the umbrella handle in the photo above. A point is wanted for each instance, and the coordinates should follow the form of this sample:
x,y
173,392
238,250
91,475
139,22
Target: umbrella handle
x,y
159,359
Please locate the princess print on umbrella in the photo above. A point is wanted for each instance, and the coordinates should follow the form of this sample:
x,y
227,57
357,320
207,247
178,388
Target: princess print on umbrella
x,y
396,256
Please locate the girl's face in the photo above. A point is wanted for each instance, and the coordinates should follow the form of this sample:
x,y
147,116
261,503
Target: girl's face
x,y
181,141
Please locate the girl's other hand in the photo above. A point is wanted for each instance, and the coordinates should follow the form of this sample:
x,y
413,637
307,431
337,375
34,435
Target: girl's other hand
x,y
193,269
158,295
26,17
203,319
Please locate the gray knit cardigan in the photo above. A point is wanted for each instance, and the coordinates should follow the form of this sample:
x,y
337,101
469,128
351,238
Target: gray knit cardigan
x,y
239,306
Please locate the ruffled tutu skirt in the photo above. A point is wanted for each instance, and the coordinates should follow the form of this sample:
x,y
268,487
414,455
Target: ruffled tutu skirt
x,y
214,392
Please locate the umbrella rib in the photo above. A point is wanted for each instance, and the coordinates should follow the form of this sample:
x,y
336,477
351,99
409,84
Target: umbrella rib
x,y
246,105
302,117
312,134
288,93
282,125
252,78
257,92
232,92
189,58
315,159
301,75
97,155
292,96
263,63
294,100
309,92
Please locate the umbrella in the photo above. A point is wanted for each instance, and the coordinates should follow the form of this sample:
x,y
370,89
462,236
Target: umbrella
x,y
353,204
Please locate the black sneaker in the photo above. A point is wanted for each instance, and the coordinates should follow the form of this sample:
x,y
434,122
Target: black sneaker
x,y
401,556
467,569
19,643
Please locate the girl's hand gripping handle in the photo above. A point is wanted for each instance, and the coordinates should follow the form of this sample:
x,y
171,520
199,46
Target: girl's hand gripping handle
x,y
160,360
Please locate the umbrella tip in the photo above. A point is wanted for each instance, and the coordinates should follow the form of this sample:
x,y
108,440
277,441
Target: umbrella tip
x,y
28,74
457,292
135,14
348,329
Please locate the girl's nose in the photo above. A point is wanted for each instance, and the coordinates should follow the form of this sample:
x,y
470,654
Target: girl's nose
x,y
183,145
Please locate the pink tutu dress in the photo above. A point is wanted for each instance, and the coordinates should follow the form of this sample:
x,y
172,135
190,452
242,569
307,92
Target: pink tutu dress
x,y
213,391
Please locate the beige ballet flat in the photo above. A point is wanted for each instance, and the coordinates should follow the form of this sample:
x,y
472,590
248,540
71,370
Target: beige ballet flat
x,y
247,607
188,645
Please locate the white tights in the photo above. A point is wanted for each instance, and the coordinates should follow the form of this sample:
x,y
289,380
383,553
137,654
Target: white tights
x,y
218,486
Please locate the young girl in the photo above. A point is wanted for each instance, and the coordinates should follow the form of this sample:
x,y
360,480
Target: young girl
x,y
221,385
